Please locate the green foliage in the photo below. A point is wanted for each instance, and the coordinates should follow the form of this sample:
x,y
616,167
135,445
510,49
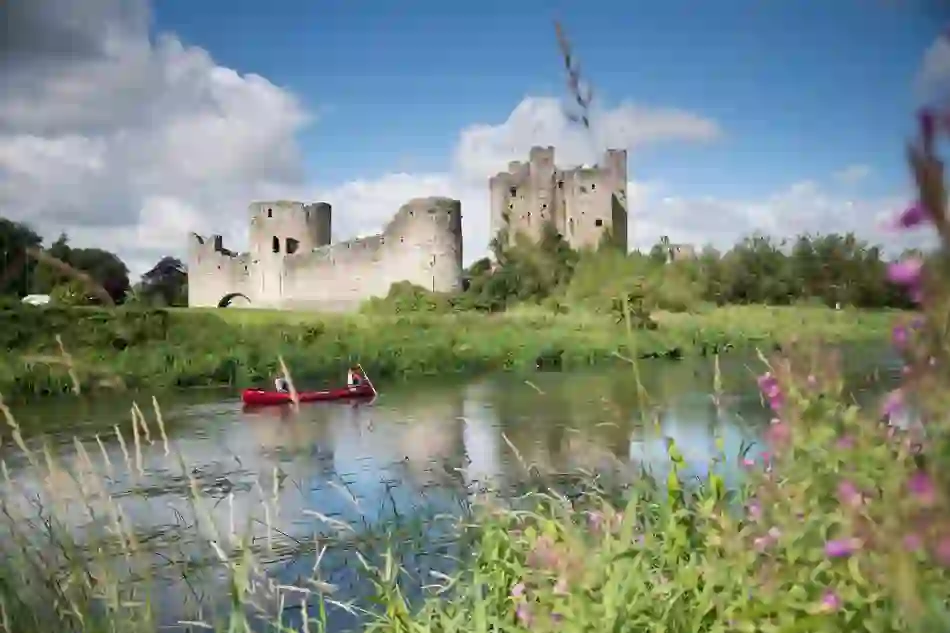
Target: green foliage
x,y
16,267
104,267
136,347
405,298
165,284
71,293
828,270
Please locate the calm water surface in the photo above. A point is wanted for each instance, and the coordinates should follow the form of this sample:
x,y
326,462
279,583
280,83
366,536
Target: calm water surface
x,y
415,453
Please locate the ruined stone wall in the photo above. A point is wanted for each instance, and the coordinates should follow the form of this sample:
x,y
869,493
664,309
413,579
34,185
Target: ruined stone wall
x,y
292,265
422,245
582,203
215,272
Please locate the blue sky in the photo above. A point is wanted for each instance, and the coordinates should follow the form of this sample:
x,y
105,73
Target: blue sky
x,y
800,88
129,122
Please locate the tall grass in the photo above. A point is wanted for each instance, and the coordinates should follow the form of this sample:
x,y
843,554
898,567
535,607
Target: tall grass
x,y
119,348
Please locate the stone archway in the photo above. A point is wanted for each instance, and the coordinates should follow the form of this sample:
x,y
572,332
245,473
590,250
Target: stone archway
x,y
236,299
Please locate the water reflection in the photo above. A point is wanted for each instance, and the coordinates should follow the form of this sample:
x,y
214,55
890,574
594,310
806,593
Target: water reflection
x,y
278,476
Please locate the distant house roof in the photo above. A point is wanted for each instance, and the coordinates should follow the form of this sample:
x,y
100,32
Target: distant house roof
x,y
36,300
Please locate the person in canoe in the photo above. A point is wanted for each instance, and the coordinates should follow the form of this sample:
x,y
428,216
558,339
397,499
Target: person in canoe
x,y
354,378
281,385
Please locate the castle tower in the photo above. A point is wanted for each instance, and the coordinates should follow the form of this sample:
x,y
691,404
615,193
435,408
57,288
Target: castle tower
x,y
583,203
284,228
279,229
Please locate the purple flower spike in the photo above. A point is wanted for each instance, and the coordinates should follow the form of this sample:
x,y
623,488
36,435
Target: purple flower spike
x,y
517,590
928,125
912,542
830,601
523,613
893,404
914,215
899,336
922,487
942,551
906,273
848,494
839,548
767,383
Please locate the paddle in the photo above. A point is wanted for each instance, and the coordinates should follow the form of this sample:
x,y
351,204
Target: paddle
x,y
370,382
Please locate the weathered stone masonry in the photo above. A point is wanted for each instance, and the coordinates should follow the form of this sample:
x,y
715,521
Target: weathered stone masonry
x,y
583,202
293,265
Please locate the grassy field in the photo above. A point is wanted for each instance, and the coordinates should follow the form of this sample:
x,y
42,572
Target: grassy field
x,y
188,348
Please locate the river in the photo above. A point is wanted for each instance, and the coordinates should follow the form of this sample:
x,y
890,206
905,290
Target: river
x,y
278,477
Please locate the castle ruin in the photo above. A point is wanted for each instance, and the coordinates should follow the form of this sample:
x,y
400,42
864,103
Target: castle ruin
x,y
583,203
293,265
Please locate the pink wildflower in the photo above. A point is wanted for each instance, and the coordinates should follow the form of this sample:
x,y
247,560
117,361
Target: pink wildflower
x,y
848,494
893,403
840,548
912,216
912,542
830,601
942,551
899,336
922,487
908,274
523,613
755,510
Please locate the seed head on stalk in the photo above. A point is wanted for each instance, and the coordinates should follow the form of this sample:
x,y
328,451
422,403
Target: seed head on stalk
x,y
580,91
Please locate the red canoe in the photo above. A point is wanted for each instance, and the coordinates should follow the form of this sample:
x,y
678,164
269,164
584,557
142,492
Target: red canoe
x,y
261,398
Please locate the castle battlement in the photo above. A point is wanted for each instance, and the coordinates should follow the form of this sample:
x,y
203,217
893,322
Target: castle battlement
x,y
292,261
583,203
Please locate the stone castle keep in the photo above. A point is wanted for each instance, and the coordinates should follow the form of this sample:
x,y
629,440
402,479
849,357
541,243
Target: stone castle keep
x,y
293,265
583,202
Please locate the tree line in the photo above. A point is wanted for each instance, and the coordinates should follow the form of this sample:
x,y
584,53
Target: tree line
x,y
831,270
58,270
827,269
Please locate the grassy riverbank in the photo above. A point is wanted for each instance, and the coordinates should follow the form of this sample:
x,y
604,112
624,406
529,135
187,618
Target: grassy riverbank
x,y
188,348
626,553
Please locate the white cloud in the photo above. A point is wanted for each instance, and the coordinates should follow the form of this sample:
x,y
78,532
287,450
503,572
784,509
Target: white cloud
x,y
115,138
932,82
126,142
853,174
803,207
483,149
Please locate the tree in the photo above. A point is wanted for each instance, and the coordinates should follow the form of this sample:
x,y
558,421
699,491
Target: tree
x,y
166,282
16,266
103,267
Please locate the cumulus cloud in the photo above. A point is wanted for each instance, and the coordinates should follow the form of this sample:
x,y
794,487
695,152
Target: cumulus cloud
x,y
802,207
126,141
116,138
483,150
853,174
932,82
